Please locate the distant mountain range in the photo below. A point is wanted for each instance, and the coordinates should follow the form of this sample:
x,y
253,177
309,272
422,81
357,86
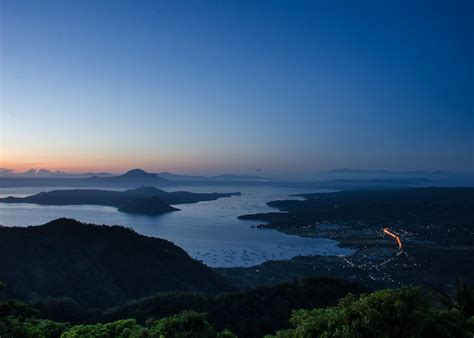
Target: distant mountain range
x,y
438,178
45,173
224,177
341,179
134,174
388,172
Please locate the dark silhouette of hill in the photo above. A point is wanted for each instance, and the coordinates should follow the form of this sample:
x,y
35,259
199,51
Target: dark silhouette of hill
x,y
137,173
143,176
148,206
97,265
131,177
134,200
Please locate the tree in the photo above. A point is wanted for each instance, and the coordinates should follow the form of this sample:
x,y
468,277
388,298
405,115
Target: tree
x,y
19,327
120,329
382,314
185,325
462,300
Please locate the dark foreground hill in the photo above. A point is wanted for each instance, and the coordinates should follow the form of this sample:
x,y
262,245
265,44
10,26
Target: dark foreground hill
x,y
97,265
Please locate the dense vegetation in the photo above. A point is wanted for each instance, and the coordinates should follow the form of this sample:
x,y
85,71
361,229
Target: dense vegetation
x,y
146,200
97,265
249,313
183,325
387,313
14,323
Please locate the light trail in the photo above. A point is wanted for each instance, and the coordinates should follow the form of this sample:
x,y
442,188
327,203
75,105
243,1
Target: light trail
x,y
399,241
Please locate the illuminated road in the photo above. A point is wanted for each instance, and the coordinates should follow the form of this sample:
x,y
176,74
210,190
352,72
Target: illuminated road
x,y
399,241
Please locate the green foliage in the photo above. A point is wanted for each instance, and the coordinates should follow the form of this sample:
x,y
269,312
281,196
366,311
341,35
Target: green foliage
x,y
16,320
120,329
382,314
185,325
462,300
18,327
250,313
15,308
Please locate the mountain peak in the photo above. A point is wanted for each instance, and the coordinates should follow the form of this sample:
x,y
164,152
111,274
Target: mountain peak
x,y
137,173
140,174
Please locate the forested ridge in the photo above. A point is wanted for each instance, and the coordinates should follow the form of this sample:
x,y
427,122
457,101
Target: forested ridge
x,y
404,312
97,266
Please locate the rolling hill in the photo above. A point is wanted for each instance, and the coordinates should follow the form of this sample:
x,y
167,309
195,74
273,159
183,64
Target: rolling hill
x,y
97,265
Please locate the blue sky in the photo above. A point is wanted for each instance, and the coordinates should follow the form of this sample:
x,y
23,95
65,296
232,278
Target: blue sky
x,y
232,86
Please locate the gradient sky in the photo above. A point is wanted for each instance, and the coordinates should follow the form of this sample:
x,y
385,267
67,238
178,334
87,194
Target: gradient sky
x,y
232,86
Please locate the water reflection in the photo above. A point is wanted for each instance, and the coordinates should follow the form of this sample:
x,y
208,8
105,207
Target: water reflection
x,y
208,231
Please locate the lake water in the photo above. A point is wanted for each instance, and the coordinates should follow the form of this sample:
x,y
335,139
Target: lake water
x,y
208,231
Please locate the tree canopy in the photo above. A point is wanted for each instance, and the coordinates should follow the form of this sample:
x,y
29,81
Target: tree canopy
x,y
382,314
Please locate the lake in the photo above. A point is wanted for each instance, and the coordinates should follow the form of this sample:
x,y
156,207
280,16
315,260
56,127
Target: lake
x,y
208,231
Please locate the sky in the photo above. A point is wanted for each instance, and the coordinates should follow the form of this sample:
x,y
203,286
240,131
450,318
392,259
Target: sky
x,y
206,87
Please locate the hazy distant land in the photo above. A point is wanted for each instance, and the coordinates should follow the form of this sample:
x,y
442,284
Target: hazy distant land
x,y
339,179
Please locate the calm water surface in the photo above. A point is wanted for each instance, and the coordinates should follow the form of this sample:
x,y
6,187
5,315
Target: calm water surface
x,y
208,231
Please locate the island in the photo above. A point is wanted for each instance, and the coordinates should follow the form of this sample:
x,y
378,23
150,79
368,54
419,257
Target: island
x,y
146,206
144,200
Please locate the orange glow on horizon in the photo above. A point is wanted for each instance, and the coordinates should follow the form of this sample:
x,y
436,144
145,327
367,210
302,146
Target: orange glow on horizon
x,y
78,163
74,163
